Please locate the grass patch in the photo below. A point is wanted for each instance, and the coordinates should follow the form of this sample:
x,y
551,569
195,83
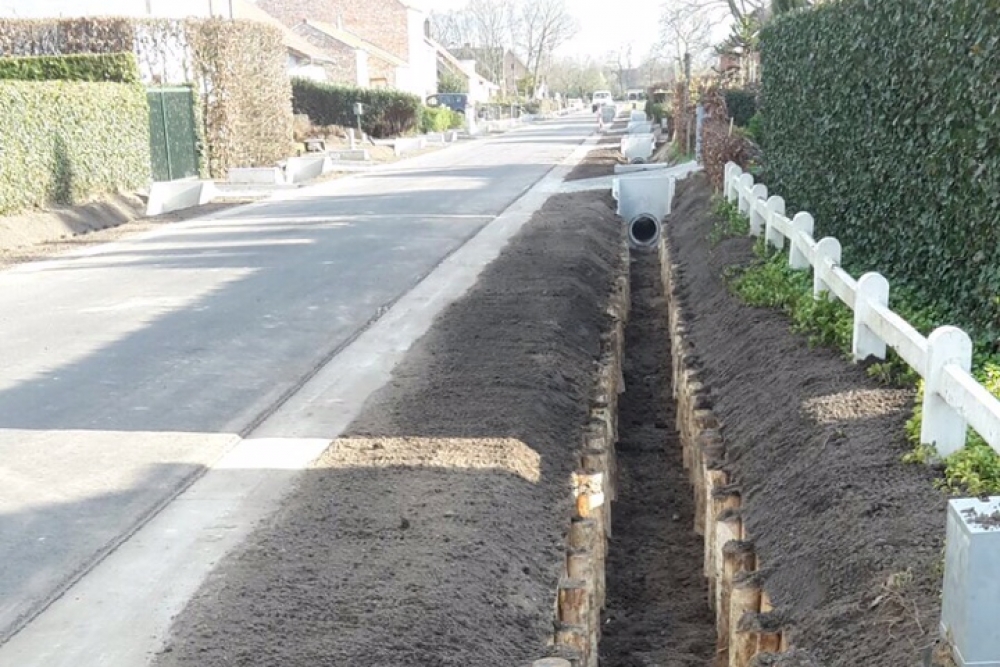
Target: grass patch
x,y
768,282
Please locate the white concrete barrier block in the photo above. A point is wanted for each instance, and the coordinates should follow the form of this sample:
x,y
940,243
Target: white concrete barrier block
x,y
970,603
306,168
645,194
352,155
256,176
635,168
637,147
873,290
167,196
941,425
640,127
638,116
408,144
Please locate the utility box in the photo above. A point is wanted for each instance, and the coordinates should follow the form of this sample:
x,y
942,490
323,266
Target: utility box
x,y
970,613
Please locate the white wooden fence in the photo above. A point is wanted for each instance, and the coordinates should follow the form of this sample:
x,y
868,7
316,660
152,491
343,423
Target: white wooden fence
x,y
953,399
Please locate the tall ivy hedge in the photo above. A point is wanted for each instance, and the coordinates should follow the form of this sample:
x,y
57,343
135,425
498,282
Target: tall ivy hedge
x,y
109,67
246,113
387,112
881,118
66,142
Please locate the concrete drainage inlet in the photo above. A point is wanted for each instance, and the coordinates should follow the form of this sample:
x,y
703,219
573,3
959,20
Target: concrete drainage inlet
x,y
644,231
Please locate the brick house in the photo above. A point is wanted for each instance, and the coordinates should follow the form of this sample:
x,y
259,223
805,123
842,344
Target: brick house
x,y
480,89
499,65
394,27
304,59
355,61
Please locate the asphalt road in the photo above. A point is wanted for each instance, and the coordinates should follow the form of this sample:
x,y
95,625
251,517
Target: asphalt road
x,y
124,373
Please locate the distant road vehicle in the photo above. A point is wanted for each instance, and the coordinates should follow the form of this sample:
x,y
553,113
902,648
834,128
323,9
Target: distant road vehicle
x,y
600,98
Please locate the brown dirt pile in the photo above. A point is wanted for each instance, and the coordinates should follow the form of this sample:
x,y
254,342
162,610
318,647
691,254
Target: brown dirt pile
x,y
432,535
850,536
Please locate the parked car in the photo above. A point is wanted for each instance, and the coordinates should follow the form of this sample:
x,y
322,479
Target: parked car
x,y
575,103
600,98
458,102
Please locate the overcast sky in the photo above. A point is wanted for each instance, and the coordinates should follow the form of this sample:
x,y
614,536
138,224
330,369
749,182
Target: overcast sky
x,y
604,26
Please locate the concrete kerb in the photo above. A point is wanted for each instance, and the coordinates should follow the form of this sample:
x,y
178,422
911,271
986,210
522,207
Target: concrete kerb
x,y
167,196
161,566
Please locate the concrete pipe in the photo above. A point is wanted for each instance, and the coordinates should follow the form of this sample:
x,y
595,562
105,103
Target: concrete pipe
x,y
644,231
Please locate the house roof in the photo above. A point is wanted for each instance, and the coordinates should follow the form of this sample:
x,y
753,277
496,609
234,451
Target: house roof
x,y
355,42
449,58
243,9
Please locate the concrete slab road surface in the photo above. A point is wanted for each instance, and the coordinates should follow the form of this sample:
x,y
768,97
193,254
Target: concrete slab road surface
x,y
129,370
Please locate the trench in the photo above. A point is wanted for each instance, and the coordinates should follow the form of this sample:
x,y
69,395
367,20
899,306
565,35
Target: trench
x,y
656,611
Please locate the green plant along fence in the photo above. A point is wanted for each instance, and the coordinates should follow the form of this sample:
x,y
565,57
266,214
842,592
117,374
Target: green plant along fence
x,y
172,133
881,119
65,142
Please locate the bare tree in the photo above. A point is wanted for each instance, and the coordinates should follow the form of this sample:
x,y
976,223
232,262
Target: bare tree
x,y
542,27
686,30
452,29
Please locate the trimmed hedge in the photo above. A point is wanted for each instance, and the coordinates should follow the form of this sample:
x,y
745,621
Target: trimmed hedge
x,y
741,105
66,142
387,112
880,118
110,67
246,118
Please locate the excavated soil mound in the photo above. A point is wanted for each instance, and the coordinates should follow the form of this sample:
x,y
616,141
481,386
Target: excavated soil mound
x,y
432,535
602,160
850,536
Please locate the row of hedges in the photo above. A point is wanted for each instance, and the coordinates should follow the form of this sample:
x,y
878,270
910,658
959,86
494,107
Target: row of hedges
x,y
880,119
247,113
110,67
387,112
65,142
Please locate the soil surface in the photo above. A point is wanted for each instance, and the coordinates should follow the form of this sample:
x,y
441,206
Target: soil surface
x,y
433,534
657,609
850,536
45,234
602,160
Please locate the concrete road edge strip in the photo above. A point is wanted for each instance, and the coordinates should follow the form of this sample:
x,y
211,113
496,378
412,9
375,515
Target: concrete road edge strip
x,y
118,614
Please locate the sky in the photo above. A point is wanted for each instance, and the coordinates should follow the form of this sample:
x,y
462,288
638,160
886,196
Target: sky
x,y
605,25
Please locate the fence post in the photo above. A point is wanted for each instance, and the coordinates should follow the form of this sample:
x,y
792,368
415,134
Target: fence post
x,y
802,224
942,426
776,206
733,173
745,185
826,248
873,289
758,192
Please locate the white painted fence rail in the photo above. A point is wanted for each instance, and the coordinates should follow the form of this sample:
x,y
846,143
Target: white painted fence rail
x,y
953,399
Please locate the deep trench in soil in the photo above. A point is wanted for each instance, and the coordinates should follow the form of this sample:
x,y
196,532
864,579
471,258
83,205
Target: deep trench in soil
x,y
657,612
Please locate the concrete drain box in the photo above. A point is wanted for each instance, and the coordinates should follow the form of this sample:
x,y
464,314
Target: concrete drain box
x,y
970,614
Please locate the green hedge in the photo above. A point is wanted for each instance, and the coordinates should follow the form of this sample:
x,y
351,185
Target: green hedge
x,y
741,105
111,67
65,142
387,112
880,118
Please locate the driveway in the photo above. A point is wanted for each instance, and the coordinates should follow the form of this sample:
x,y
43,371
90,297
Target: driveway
x,y
125,373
